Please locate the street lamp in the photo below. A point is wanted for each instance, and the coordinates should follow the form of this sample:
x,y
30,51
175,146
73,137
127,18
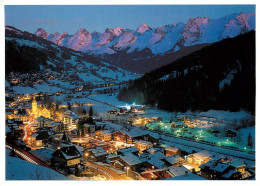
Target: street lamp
x,y
127,168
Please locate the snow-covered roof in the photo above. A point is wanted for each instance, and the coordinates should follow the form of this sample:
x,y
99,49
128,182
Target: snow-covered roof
x,y
98,151
135,133
131,159
156,162
70,152
215,166
80,149
173,159
129,149
237,163
151,150
170,148
154,135
44,153
202,154
178,171
157,155
74,116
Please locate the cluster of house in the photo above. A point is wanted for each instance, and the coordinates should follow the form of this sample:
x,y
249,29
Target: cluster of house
x,y
136,151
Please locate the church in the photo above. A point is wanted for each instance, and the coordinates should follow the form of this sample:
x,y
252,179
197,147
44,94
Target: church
x,y
40,111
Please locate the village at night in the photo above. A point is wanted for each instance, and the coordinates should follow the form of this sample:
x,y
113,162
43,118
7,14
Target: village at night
x,y
168,102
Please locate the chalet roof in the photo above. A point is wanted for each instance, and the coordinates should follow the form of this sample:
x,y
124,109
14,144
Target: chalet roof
x,y
215,166
157,155
156,162
130,159
178,170
69,152
173,159
126,150
154,135
98,151
237,163
202,154
135,133
170,148
151,150
44,153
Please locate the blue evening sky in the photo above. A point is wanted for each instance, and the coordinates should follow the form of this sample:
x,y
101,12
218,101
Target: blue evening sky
x,y
69,18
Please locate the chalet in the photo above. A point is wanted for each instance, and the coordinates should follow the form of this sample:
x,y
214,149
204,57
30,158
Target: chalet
x,y
119,137
152,137
40,139
216,170
129,136
132,136
71,121
132,150
67,155
149,151
40,121
104,135
173,160
142,145
156,160
199,157
130,160
172,151
238,165
175,171
45,154
96,154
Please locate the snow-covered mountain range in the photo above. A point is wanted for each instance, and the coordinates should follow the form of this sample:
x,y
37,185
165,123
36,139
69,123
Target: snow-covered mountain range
x,y
41,55
171,37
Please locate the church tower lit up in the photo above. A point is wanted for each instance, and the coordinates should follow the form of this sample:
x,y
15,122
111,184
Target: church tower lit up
x,y
34,106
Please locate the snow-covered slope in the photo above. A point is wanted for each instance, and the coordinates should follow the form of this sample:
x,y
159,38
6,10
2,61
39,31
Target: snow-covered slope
x,y
159,40
18,169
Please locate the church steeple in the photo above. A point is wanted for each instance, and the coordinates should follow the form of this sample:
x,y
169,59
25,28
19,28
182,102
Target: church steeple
x,y
34,106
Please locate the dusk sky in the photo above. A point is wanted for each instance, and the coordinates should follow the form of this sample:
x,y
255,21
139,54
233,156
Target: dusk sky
x,y
99,17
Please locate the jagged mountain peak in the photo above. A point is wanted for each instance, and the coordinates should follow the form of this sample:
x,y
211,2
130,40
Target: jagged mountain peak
x,y
117,31
42,33
82,31
143,28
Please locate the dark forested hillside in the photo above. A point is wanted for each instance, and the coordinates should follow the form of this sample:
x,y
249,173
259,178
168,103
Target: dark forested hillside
x,y
221,76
